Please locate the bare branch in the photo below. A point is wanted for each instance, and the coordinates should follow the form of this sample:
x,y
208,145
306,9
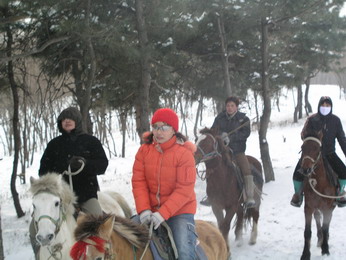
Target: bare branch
x,y
34,51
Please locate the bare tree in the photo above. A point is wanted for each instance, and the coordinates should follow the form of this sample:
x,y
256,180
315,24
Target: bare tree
x,y
142,104
265,118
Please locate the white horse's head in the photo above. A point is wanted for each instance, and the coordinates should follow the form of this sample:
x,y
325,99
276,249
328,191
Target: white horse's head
x,y
48,216
52,202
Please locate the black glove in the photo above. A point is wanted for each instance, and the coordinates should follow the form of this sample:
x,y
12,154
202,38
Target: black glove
x,y
76,162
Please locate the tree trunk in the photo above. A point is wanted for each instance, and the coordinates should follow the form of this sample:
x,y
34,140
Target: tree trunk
x,y
1,243
308,108
142,106
123,117
15,123
224,57
198,113
264,121
298,111
85,103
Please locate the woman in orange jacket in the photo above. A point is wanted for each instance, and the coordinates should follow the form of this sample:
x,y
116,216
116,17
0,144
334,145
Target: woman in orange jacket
x,y
163,181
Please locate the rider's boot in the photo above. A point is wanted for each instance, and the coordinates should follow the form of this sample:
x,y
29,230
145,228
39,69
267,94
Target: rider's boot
x,y
205,201
297,198
249,190
342,201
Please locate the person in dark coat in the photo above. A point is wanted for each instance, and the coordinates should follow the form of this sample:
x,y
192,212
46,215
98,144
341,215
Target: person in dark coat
x,y
332,129
72,149
234,127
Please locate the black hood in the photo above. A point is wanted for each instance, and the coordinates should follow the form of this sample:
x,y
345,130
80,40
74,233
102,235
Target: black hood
x,y
74,114
324,99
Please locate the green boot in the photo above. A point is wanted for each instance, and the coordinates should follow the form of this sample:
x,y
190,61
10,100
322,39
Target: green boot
x,y
342,201
297,198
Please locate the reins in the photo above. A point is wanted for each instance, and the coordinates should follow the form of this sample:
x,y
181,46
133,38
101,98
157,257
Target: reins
x,y
70,174
313,181
211,155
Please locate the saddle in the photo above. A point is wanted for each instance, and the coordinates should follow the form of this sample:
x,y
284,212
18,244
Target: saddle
x,y
162,244
331,174
163,247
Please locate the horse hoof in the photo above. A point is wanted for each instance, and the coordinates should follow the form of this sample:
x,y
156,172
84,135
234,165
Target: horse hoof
x,y
239,242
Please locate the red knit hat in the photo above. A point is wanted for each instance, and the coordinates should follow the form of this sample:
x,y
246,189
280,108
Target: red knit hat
x,y
167,116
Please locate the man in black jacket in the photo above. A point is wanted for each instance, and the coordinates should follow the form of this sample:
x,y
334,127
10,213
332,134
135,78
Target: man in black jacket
x,y
332,129
234,127
72,149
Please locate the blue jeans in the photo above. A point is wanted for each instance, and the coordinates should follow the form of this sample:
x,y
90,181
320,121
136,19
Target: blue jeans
x,y
184,234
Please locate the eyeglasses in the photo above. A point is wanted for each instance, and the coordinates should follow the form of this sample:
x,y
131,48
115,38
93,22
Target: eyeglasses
x,y
163,128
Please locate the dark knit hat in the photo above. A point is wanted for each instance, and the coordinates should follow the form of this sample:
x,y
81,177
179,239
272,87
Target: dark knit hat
x,y
167,116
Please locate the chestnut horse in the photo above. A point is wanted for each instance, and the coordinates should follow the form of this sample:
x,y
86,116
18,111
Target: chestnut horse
x,y
319,193
225,185
114,237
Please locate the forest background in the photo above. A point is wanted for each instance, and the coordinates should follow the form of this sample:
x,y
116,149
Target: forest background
x,y
119,60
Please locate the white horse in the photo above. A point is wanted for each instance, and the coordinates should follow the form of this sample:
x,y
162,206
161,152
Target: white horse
x,y
53,214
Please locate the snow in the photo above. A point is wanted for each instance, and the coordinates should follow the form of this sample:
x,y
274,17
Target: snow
x,y
281,226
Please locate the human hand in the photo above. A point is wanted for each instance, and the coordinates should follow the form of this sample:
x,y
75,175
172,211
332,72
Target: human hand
x,y
225,138
145,216
76,162
157,219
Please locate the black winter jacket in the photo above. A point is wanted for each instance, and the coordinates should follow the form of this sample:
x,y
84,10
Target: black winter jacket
x,y
332,129
224,123
61,149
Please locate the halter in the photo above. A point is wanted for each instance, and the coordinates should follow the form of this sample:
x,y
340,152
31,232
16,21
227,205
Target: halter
x,y
56,249
211,155
79,249
307,157
56,222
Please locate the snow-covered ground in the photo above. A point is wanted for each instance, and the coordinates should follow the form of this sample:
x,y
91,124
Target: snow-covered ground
x,y
281,226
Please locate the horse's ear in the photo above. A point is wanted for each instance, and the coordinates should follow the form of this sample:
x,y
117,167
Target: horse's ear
x,y
81,217
32,180
106,228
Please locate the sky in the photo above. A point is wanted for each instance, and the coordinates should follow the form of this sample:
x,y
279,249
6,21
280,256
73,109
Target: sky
x,y
280,226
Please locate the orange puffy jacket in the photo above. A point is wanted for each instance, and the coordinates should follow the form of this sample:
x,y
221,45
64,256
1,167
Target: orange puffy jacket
x,y
164,177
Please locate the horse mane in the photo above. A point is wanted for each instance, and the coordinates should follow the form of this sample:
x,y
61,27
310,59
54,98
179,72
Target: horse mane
x,y
224,150
137,235
53,183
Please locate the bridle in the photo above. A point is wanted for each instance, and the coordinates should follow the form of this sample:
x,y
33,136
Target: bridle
x,y
211,155
56,222
307,157
56,249
312,181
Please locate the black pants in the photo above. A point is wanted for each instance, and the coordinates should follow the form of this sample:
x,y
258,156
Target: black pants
x,y
337,165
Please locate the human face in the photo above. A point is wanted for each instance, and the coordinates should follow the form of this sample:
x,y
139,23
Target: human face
x,y
162,132
68,125
325,109
231,108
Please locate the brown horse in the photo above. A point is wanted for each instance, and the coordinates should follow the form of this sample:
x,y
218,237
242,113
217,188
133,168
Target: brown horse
x,y
319,193
225,185
113,237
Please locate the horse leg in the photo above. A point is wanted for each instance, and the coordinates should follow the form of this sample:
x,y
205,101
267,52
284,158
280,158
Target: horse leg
x,y
226,223
218,212
239,227
317,216
307,233
327,217
254,213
